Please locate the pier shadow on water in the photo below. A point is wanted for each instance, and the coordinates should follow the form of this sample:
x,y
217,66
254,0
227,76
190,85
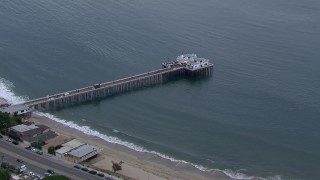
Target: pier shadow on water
x,y
192,80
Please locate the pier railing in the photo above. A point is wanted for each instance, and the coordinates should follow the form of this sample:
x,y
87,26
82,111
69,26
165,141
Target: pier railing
x,y
114,87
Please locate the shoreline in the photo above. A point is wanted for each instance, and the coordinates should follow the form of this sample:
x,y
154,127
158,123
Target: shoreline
x,y
138,165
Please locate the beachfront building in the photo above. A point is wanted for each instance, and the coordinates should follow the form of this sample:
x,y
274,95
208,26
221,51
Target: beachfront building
x,y
23,129
82,153
77,151
28,129
67,147
29,132
63,150
19,109
44,137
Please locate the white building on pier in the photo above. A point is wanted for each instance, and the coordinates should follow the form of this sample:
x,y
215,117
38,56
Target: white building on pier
x,y
192,62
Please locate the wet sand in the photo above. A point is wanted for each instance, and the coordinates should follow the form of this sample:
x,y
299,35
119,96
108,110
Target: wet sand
x,y
137,165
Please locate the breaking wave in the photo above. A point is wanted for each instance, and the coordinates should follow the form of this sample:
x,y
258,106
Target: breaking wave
x,y
236,175
115,131
6,92
87,130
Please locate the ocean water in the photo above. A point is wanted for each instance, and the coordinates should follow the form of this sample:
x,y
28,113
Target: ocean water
x,y
258,115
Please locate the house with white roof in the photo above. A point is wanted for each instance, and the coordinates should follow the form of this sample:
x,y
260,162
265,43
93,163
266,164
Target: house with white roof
x,y
77,151
19,109
67,147
82,153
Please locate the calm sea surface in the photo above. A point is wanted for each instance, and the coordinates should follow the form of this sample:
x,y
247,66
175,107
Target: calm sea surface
x,y
258,115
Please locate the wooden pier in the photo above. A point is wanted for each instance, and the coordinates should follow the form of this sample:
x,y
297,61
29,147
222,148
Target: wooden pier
x,y
114,87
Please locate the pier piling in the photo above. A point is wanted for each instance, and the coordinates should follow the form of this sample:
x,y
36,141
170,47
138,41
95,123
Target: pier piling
x,y
115,87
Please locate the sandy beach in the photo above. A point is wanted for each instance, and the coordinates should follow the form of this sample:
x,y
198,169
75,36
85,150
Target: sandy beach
x,y
137,165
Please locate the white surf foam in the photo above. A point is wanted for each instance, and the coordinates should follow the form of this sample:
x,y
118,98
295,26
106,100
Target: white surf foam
x,y
242,176
87,130
115,131
277,177
236,175
6,92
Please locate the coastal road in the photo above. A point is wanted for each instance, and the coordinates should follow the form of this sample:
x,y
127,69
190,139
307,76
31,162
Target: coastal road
x,y
13,160
39,164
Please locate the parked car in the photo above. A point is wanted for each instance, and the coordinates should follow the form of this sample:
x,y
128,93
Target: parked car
x,y
20,160
22,168
93,172
39,152
9,140
77,167
47,174
50,171
28,147
84,169
108,178
15,142
1,136
100,174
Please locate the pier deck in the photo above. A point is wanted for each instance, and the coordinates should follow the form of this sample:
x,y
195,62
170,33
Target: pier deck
x,y
114,87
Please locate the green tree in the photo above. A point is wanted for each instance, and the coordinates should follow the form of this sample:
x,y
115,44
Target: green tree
x,y
116,166
4,120
14,136
16,118
7,121
38,144
4,174
52,150
58,147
